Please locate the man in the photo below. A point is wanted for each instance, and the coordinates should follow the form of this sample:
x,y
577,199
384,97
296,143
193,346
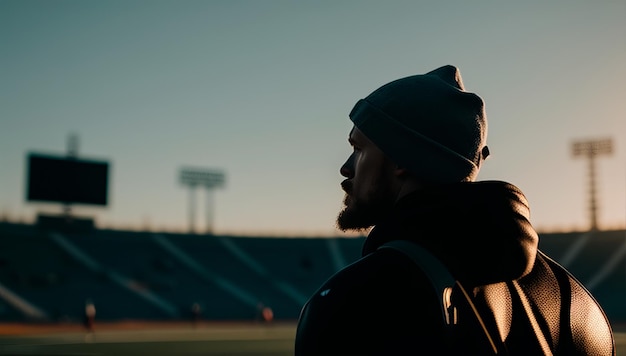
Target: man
x,y
451,265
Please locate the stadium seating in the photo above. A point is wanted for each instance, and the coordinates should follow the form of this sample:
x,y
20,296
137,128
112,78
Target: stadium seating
x,y
49,275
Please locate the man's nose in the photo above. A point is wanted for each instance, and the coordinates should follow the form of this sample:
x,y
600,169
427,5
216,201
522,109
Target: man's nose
x,y
347,169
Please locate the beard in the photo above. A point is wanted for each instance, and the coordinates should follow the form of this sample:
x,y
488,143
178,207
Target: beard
x,y
362,213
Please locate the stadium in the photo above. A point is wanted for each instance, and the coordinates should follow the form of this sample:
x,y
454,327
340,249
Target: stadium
x,y
69,286
146,278
262,90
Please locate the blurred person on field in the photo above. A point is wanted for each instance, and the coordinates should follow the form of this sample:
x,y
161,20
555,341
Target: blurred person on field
x,y
451,264
196,314
268,315
89,316
264,313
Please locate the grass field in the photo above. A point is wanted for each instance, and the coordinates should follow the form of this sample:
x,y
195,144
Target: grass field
x,y
149,339
121,339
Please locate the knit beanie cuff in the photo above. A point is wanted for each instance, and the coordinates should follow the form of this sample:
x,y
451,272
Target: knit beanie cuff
x,y
394,138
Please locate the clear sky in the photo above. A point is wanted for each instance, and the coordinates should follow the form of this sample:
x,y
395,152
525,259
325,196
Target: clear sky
x,y
262,91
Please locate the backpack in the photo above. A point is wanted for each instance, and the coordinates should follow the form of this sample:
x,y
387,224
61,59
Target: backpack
x,y
502,318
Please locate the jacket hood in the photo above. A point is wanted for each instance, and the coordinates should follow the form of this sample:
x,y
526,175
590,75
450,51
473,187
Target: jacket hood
x,y
480,230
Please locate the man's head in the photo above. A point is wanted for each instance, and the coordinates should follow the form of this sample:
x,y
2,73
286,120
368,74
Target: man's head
x,y
423,128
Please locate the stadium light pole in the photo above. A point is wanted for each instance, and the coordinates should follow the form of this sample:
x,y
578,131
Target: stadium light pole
x,y
72,145
72,153
209,179
590,149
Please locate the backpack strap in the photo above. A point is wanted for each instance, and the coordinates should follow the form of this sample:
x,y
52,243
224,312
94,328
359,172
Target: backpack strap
x,y
436,272
443,282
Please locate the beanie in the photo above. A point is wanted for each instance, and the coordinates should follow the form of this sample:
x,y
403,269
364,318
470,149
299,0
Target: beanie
x,y
427,124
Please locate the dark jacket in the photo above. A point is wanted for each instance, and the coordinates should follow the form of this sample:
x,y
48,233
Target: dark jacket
x,y
384,304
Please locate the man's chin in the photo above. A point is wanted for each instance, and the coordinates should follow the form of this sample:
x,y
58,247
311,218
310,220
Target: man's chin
x,y
350,220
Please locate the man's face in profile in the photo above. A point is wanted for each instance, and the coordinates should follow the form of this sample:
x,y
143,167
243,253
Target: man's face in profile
x,y
368,185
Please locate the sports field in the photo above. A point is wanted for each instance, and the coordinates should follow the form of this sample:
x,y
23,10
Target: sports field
x,y
120,339
133,338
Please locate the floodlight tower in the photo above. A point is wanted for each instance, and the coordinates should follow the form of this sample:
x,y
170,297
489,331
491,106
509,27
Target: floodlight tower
x,y
72,153
590,149
72,145
209,179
